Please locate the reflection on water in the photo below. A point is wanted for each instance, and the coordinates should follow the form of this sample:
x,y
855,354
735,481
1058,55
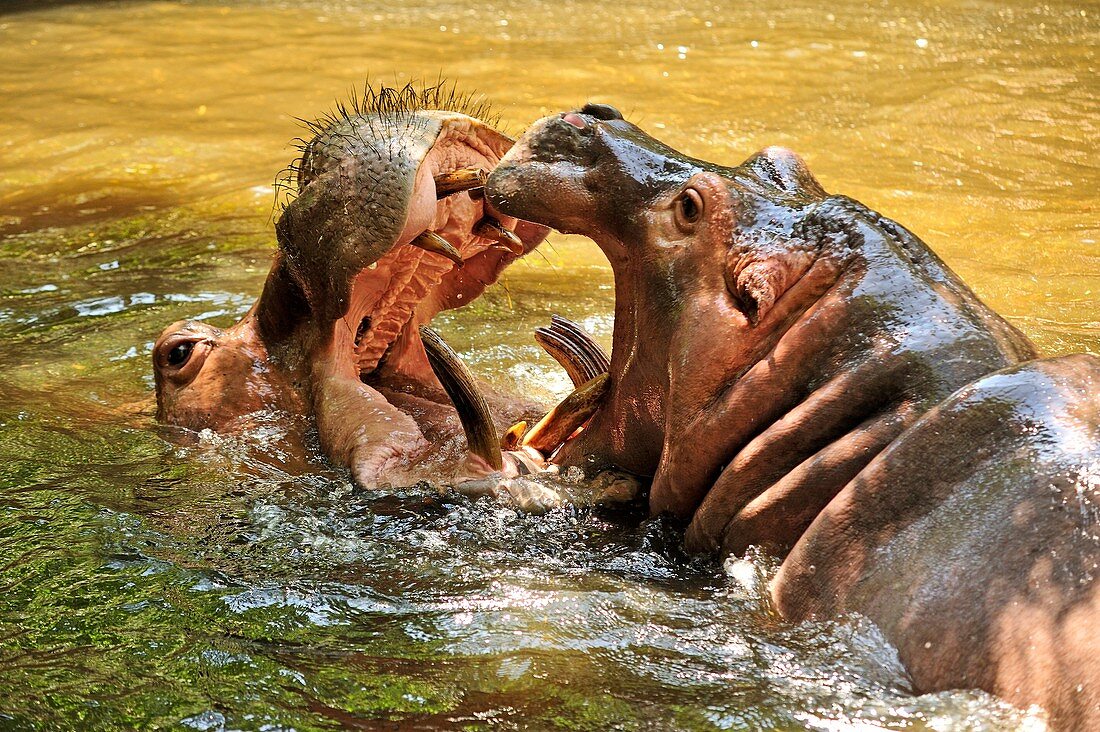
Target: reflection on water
x,y
143,582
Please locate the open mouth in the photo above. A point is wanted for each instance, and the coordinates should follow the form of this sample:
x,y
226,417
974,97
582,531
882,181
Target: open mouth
x,y
451,248
389,225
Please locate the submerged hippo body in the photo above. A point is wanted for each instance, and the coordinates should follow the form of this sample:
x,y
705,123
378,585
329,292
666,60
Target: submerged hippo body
x,y
387,229
794,370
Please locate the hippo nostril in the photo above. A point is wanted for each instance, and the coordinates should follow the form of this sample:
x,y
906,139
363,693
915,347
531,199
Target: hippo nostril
x,y
601,111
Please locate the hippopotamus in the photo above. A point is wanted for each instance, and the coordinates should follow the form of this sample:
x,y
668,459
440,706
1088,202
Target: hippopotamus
x,y
388,227
794,371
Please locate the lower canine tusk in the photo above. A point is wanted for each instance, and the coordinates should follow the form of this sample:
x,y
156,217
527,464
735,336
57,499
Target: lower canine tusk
x,y
564,419
432,242
492,229
458,382
463,179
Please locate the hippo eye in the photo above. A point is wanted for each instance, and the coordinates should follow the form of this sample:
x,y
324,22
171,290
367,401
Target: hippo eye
x,y
180,353
689,208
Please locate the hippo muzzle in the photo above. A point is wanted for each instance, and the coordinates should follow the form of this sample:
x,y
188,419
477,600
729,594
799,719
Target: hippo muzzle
x,y
674,228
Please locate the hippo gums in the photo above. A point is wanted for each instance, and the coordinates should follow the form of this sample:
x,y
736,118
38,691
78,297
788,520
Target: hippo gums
x,y
389,227
793,370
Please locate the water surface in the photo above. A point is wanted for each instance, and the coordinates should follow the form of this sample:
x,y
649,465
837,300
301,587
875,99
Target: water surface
x,y
147,584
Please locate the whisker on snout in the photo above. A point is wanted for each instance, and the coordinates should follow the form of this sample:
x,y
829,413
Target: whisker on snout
x,y
490,228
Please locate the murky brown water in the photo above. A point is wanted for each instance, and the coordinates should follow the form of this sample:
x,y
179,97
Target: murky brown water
x,y
139,141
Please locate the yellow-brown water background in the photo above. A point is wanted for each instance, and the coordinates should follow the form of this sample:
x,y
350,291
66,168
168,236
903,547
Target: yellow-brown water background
x,y
149,584
974,124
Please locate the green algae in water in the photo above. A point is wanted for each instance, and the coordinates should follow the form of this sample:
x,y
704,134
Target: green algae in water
x,y
148,588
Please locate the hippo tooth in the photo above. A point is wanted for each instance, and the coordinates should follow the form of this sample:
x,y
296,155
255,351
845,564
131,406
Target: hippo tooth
x,y
490,228
432,242
576,351
458,382
463,179
564,419
513,436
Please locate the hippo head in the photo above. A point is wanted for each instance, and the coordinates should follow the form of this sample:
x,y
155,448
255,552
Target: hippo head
x,y
388,227
682,235
207,377
768,335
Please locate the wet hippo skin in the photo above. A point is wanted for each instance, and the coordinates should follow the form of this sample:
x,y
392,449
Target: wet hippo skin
x,y
793,370
388,228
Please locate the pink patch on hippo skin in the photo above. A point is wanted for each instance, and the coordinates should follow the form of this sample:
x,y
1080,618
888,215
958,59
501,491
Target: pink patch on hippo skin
x,y
574,119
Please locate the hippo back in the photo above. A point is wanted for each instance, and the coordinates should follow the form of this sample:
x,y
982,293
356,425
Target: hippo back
x,y
973,541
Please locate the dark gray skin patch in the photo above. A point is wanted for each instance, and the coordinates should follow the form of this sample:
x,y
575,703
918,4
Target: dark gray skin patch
x,y
356,181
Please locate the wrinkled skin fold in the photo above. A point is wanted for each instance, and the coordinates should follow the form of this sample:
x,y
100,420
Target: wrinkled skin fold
x,y
388,228
793,370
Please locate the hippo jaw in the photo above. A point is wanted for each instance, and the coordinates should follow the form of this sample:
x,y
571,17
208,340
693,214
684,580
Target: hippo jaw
x,y
557,177
406,251
387,229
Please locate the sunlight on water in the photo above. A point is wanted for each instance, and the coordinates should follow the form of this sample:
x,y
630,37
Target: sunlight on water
x,y
148,583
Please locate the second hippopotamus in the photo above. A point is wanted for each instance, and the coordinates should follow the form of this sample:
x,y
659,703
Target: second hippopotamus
x,y
794,370
388,228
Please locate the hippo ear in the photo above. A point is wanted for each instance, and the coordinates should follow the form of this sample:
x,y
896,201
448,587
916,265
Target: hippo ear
x,y
784,169
756,286
761,268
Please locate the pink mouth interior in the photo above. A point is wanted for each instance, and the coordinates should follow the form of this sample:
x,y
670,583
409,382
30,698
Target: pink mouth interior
x,y
401,289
